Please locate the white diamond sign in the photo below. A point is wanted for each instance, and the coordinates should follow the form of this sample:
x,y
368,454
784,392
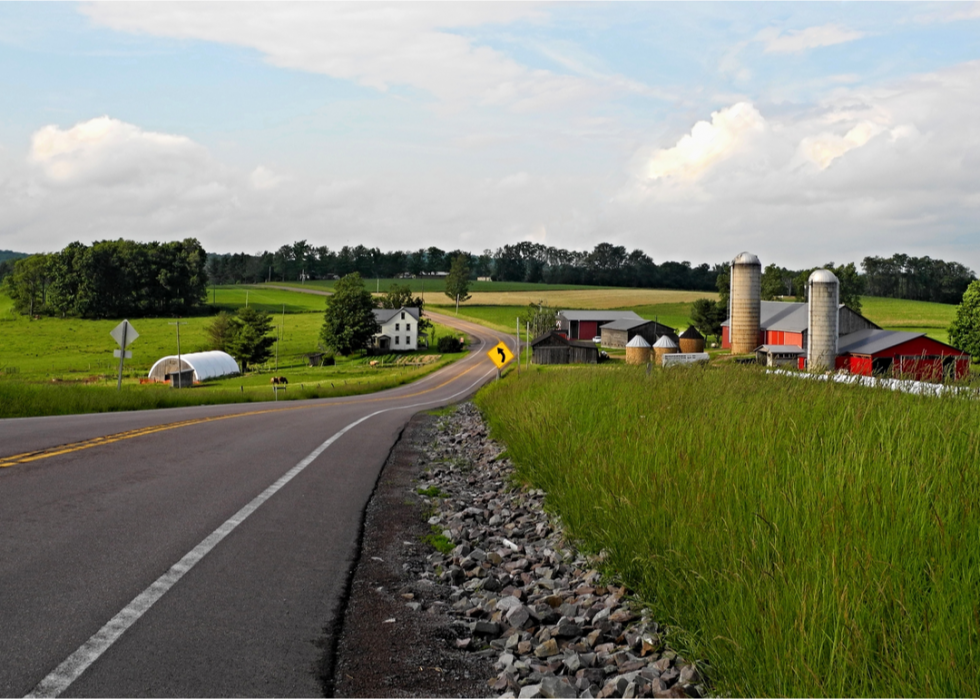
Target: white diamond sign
x,y
124,331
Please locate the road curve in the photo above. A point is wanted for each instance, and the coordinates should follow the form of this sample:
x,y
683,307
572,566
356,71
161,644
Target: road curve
x,y
194,551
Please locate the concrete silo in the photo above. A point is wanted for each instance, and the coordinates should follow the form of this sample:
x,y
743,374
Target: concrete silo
x,y
823,294
746,296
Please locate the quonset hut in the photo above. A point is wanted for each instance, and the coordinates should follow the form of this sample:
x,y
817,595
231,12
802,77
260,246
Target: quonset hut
x,y
205,365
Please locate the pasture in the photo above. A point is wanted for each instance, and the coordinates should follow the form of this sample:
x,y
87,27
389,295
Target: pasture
x,y
55,365
805,538
436,285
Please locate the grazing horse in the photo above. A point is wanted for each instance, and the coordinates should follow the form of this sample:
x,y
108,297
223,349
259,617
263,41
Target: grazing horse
x,y
279,381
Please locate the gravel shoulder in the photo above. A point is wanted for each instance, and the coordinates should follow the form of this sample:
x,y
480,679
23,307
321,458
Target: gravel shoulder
x,y
511,610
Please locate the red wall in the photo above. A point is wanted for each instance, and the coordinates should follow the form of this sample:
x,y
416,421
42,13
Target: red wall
x,y
917,369
587,329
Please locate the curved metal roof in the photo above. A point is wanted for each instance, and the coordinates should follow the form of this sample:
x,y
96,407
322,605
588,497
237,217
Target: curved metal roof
x,y
823,276
206,365
638,341
665,341
746,258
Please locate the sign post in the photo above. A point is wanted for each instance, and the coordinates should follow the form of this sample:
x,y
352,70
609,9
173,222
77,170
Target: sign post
x,y
180,364
124,334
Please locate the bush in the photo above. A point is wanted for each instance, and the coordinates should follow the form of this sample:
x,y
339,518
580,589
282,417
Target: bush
x,y
448,344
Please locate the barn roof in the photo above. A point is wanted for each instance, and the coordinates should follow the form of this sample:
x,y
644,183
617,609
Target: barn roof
x,y
781,349
626,324
206,365
599,315
786,316
872,341
383,315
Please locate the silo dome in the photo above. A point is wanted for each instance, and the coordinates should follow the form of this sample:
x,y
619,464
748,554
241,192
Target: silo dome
x,y
823,276
746,258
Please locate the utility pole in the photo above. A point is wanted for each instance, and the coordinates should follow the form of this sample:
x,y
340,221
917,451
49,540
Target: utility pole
x,y
518,324
279,339
180,365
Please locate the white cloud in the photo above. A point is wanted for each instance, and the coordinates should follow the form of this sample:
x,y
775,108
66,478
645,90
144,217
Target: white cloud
x,y
106,151
376,45
825,148
796,41
264,178
708,143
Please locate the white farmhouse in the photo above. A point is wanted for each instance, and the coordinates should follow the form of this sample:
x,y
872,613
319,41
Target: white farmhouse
x,y
399,329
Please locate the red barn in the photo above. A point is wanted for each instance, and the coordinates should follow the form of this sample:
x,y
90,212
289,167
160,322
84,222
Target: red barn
x,y
784,323
903,355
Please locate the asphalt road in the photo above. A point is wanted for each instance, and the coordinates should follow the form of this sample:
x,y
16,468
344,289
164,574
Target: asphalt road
x,y
193,552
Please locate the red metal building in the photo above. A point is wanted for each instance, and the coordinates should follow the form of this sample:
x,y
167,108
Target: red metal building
x,y
904,355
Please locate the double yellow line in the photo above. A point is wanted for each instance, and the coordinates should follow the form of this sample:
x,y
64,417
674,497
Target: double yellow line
x,y
27,457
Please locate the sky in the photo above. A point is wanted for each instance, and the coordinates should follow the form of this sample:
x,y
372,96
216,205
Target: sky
x,y
805,133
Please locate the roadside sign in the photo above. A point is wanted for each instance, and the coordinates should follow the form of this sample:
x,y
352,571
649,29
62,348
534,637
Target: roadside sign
x,y
118,353
124,333
500,355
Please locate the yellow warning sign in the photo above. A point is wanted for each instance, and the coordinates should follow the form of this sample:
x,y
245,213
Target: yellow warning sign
x,y
500,355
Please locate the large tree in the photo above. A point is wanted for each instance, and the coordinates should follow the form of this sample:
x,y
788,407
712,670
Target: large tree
x,y
707,316
851,284
28,284
964,333
458,281
250,342
348,322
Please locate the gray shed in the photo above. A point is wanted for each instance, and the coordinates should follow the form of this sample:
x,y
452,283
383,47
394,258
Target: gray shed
x,y
618,333
553,348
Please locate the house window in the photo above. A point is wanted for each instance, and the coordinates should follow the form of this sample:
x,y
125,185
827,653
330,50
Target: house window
x,y
408,341
396,339
408,327
403,315
396,326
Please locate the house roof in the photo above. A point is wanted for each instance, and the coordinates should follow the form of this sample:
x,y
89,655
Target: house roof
x,y
872,341
383,315
608,316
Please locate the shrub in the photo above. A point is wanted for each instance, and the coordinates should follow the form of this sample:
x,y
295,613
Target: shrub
x,y
448,344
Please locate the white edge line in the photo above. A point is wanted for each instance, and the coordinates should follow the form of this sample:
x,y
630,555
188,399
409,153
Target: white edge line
x,y
59,679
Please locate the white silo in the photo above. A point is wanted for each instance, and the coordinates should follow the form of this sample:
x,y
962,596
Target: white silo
x,y
823,294
745,300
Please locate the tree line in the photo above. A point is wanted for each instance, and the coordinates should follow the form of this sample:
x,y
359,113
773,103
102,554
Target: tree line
x,y
604,265
111,279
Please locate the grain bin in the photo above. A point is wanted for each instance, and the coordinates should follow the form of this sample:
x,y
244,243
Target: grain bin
x,y
745,299
823,292
663,346
691,341
637,351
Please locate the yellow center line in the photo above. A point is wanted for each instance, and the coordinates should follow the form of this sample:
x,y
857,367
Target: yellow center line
x,y
27,457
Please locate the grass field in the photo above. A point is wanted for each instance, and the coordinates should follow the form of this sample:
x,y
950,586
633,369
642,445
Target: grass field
x,y
806,538
932,319
57,366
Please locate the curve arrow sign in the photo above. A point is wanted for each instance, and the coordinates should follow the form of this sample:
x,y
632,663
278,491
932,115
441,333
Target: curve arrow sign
x,y
500,355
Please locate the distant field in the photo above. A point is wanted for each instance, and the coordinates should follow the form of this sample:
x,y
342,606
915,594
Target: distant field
x,y
913,316
231,298
589,298
438,286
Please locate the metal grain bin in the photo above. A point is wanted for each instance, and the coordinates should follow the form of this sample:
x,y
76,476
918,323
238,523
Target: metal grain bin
x,y
637,351
746,297
691,341
663,346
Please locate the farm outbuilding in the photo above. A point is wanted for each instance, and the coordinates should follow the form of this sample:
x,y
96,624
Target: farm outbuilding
x,y
663,346
784,323
903,355
638,351
584,325
554,348
691,341
204,365
618,333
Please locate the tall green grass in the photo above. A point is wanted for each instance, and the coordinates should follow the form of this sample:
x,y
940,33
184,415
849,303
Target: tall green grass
x,y
806,538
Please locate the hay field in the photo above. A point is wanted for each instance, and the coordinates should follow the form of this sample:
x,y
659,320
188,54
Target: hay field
x,y
587,298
